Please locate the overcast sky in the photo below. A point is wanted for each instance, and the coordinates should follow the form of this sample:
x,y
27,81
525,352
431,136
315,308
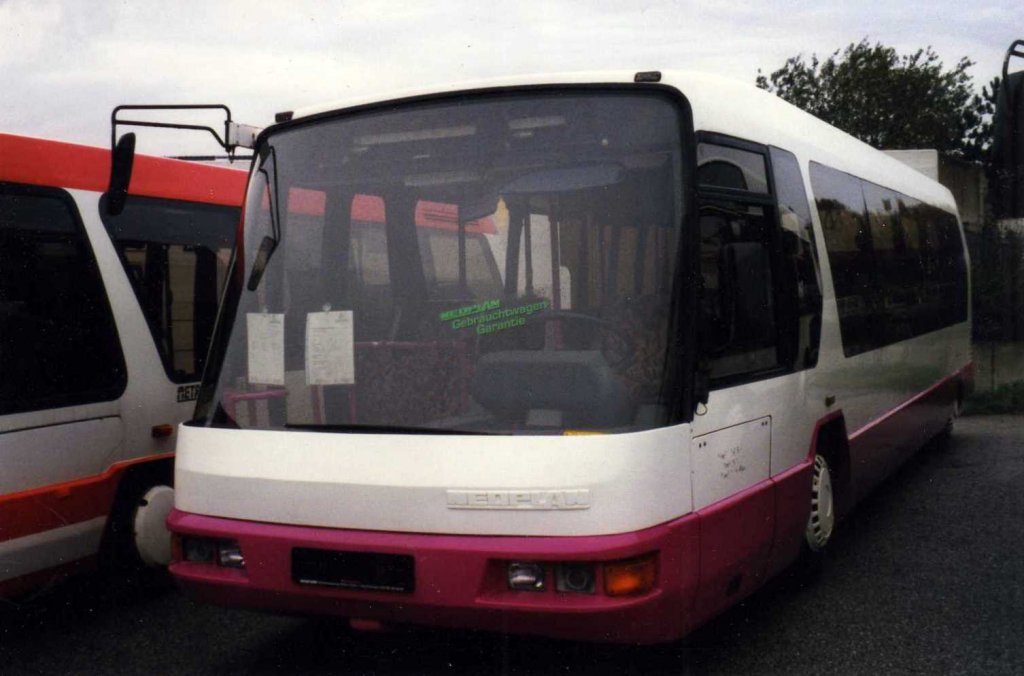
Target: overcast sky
x,y
65,65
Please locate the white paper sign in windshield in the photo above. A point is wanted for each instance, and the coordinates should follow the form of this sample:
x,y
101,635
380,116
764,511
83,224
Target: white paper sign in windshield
x,y
266,348
330,354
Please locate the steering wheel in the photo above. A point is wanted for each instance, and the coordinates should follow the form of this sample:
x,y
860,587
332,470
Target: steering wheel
x,y
616,346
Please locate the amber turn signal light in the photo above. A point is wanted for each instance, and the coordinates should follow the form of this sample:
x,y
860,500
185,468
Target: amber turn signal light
x,y
162,431
632,576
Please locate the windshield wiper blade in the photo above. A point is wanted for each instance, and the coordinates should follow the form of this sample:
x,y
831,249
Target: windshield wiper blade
x,y
267,248
269,243
380,429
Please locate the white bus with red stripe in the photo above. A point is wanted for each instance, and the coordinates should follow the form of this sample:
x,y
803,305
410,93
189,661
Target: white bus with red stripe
x,y
104,324
696,327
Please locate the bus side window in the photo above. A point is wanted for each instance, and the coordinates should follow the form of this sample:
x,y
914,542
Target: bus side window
x,y
58,343
898,265
370,269
896,289
738,238
176,255
946,277
440,252
534,277
840,201
800,270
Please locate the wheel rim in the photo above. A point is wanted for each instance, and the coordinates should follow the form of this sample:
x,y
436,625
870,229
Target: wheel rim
x,y
822,519
152,539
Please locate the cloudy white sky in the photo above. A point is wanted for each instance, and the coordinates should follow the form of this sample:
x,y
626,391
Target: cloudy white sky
x,y
65,65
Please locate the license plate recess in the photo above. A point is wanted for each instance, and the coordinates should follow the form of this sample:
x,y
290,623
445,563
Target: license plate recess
x,y
353,570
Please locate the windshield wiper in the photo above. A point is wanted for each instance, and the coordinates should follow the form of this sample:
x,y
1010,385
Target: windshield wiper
x,y
269,244
378,429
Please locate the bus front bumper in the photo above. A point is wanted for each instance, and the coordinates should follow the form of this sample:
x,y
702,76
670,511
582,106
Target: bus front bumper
x,y
458,581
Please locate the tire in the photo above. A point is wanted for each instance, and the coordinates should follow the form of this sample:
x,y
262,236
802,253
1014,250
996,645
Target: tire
x,y
947,432
821,521
151,539
132,508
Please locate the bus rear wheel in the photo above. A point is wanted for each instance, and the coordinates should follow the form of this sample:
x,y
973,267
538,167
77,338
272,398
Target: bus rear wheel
x,y
822,520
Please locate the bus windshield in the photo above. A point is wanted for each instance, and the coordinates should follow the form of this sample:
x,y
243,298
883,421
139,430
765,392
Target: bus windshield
x,y
498,263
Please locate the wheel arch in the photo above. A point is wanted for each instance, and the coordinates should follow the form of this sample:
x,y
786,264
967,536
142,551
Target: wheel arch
x,y
831,440
134,480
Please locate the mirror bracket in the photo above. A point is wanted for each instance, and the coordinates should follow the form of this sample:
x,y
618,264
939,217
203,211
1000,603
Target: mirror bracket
x,y
235,135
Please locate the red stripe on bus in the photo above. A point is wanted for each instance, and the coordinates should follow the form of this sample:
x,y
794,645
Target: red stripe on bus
x,y
77,167
304,202
57,505
370,209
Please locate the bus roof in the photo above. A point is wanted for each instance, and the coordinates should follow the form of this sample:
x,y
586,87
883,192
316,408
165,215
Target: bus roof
x,y
36,161
728,107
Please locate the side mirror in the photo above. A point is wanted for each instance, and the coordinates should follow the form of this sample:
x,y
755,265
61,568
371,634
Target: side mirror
x,y
1007,181
121,160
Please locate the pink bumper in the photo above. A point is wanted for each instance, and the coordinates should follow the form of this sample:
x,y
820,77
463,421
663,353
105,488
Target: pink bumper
x,y
460,581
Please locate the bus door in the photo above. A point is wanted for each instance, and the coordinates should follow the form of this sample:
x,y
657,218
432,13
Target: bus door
x,y
760,308
62,375
732,448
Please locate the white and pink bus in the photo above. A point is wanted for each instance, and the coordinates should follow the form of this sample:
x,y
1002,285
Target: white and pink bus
x,y
670,330
105,321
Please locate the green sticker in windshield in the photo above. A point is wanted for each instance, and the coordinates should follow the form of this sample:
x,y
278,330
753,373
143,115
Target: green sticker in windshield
x,y
489,317
470,310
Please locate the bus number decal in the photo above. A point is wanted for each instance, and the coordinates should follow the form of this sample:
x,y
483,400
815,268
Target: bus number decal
x,y
188,393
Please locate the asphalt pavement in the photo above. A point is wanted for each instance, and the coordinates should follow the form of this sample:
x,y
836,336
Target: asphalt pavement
x,y
926,576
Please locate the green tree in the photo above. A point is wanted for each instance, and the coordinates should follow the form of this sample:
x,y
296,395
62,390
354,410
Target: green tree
x,y
889,100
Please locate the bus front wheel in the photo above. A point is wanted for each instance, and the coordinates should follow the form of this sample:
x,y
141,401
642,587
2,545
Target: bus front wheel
x,y
137,538
822,520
